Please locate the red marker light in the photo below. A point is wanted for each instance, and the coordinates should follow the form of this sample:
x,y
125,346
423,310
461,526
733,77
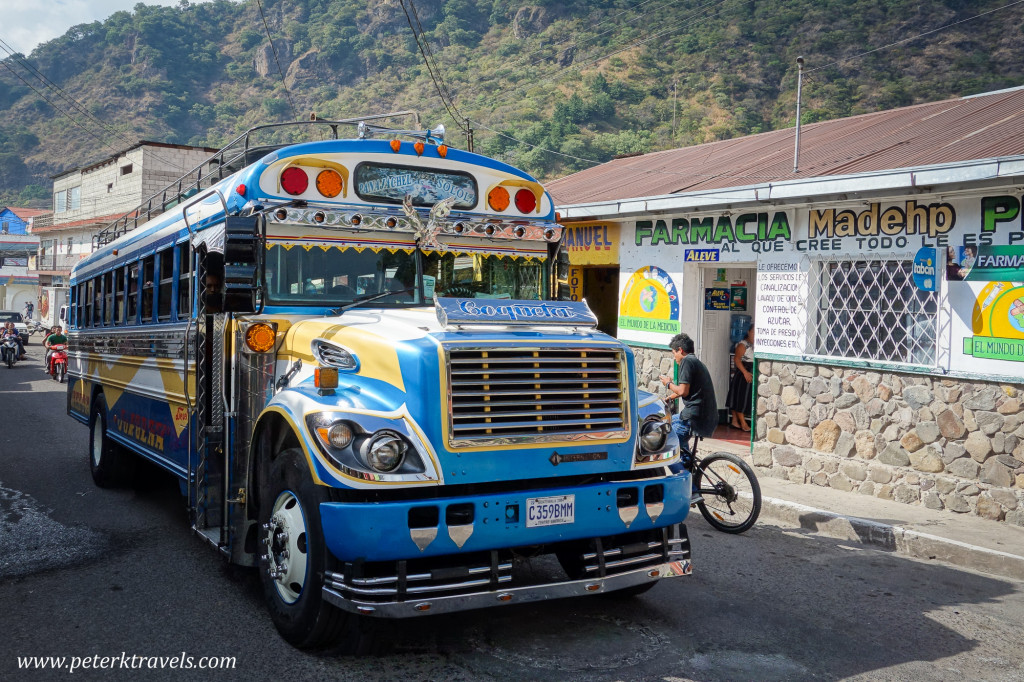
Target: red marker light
x,y
294,180
526,201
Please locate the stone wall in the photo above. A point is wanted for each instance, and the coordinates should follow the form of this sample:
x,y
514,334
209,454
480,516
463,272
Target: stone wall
x,y
944,443
650,364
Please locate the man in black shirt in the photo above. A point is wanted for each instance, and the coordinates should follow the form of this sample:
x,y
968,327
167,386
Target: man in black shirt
x,y
700,409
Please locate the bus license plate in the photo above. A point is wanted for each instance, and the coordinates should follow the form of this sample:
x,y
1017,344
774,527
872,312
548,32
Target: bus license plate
x,y
550,511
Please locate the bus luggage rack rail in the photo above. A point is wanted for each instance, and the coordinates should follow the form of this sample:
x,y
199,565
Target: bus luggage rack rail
x,y
536,394
231,158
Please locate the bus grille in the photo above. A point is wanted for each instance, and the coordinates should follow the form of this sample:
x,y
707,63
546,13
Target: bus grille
x,y
523,395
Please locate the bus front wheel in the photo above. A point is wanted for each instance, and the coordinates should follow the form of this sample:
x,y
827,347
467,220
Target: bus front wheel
x,y
294,559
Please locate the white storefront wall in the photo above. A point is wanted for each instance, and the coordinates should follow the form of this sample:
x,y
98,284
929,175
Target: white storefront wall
x,y
668,265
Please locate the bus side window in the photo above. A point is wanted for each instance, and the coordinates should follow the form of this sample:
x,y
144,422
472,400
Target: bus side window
x,y
147,289
133,292
87,320
119,296
97,302
184,276
108,298
166,275
76,302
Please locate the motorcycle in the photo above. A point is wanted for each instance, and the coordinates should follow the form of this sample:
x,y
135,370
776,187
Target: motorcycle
x,y
9,350
37,327
58,367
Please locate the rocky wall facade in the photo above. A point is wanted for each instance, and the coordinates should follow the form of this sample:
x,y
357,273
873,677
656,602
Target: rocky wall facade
x,y
943,443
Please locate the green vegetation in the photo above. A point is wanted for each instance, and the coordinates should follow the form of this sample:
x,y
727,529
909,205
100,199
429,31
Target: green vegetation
x,y
589,79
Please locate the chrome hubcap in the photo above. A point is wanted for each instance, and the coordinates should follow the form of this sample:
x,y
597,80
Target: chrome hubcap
x,y
97,442
284,543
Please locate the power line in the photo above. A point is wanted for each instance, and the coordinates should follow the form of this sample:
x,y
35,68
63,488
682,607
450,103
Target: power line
x,y
907,40
424,49
76,104
58,108
277,61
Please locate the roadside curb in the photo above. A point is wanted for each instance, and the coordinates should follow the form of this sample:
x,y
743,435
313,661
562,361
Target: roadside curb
x,y
892,538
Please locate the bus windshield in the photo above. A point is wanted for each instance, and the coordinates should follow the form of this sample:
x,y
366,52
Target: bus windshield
x,y
299,276
483,276
335,277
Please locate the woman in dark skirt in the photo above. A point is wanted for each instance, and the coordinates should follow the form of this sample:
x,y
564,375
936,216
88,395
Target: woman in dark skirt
x,y
741,386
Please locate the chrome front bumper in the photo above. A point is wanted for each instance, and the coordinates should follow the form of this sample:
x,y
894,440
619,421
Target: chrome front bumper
x,y
482,587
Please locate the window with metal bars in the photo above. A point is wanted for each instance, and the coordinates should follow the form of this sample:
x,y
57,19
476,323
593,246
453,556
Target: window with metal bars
x,y
871,310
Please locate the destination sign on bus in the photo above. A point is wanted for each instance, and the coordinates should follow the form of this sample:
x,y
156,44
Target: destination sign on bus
x,y
391,184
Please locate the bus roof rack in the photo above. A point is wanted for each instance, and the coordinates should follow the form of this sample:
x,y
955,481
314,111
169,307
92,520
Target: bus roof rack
x,y
238,154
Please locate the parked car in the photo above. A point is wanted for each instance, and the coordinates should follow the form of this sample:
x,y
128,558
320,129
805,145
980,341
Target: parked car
x,y
19,323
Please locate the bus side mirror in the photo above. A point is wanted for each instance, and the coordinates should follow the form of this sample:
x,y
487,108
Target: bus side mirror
x,y
242,251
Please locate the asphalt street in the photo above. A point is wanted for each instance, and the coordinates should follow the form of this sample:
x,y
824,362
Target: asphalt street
x,y
86,572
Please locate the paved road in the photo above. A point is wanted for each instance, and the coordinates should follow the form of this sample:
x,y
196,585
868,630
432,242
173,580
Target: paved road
x,y
87,572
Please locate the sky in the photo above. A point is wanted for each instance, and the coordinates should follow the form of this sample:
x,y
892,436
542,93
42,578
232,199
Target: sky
x,y
24,24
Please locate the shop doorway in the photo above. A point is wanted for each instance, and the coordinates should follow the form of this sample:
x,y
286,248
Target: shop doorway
x,y
726,313
601,292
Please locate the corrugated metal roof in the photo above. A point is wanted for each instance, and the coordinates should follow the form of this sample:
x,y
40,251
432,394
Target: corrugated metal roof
x,y
965,129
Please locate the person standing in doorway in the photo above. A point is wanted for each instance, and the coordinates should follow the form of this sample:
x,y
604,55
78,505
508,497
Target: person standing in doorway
x,y
741,385
700,408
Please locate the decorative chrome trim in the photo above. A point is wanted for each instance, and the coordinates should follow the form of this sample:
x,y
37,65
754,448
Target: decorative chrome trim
x,y
423,536
456,225
517,595
330,354
611,398
628,514
459,534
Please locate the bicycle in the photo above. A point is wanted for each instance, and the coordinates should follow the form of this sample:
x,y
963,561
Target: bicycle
x,y
725,489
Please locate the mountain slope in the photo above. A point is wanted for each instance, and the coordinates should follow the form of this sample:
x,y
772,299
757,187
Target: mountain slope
x,y
589,80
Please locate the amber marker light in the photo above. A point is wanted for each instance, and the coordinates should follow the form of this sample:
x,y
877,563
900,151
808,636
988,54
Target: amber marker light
x,y
442,150
418,146
498,198
396,145
329,183
325,377
260,337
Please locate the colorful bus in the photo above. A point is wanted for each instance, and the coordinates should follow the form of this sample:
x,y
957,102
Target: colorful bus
x,y
350,354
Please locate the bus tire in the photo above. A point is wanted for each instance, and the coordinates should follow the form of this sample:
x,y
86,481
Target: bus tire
x,y
294,558
108,462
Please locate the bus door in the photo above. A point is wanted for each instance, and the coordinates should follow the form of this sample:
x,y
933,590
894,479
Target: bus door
x,y
232,386
209,343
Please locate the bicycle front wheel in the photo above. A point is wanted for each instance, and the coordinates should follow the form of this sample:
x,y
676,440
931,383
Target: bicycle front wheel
x,y
730,491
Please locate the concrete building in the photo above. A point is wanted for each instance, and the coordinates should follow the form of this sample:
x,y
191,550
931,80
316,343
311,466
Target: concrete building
x,y
17,247
87,199
882,270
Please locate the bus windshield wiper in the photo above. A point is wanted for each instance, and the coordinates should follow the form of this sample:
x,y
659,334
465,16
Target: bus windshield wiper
x,y
367,299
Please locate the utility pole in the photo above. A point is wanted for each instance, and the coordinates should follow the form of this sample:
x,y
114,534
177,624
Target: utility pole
x,y
799,88
469,136
674,83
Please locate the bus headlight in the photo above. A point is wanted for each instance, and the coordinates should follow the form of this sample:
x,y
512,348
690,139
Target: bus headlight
x,y
385,450
654,435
